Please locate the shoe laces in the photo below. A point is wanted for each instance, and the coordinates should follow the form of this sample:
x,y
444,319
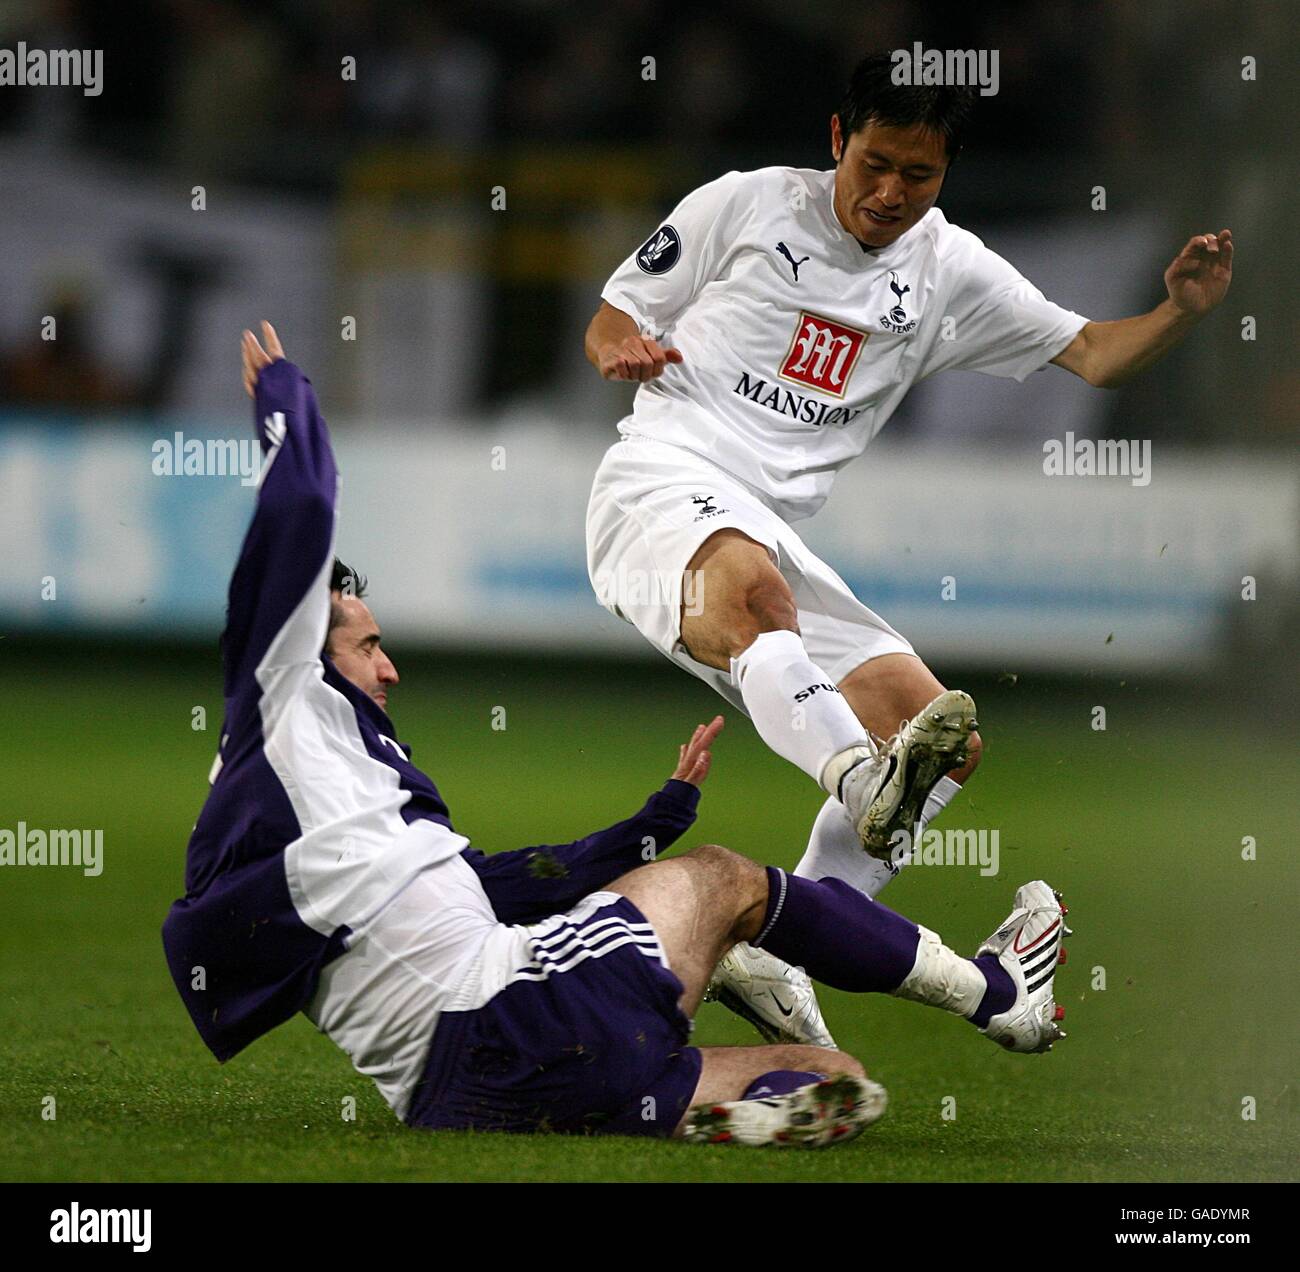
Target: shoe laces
x,y
882,745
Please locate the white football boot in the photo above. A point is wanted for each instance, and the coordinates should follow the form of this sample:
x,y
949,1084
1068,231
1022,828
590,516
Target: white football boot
x,y
777,999
1028,945
832,1111
884,788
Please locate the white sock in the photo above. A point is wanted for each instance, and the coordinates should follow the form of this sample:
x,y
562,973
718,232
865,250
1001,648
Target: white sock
x,y
794,704
942,978
835,849
936,801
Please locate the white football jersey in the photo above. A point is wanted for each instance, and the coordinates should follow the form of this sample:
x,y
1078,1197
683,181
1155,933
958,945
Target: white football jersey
x,y
798,342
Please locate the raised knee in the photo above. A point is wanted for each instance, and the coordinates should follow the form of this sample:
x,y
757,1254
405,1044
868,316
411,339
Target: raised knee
x,y
769,606
735,883
722,858
762,605
731,875
732,594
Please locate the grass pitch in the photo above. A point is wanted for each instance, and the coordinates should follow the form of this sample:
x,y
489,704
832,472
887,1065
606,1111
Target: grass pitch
x,y
1141,826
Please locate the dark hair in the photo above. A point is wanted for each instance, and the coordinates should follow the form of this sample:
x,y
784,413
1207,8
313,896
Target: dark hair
x,y
873,97
344,579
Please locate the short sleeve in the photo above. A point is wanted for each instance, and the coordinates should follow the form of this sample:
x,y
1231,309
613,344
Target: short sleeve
x,y
1001,323
661,278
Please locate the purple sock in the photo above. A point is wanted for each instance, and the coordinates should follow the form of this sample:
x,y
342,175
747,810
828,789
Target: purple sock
x,y
836,933
780,1082
1000,994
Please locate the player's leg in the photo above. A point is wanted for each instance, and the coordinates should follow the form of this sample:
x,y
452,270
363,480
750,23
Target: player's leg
x,y
745,622
742,595
652,507
699,904
689,557
748,623
883,691
887,690
853,943
780,1096
790,694
737,1073
658,561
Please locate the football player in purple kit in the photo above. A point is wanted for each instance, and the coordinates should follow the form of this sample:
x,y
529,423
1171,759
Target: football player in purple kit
x,y
324,875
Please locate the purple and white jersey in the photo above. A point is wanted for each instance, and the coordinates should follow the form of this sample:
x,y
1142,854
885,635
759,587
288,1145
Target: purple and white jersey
x,y
316,814
319,834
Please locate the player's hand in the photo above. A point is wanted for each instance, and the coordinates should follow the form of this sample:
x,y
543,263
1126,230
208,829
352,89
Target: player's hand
x,y
694,757
255,357
636,358
1199,276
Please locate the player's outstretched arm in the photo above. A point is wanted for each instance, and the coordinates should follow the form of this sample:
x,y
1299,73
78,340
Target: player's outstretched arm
x,y
618,350
526,884
278,609
1106,354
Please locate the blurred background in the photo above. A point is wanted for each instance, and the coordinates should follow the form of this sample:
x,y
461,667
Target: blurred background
x,y
426,199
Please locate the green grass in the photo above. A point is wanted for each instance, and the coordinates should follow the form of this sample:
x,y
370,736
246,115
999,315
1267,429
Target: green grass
x,y
1140,825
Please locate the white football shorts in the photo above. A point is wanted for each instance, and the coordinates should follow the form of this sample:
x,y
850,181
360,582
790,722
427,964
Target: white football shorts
x,y
653,505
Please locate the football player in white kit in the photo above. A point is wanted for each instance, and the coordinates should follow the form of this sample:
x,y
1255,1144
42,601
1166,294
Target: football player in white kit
x,y
774,321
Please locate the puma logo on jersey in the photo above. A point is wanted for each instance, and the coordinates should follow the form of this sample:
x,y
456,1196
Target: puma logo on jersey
x,y
794,264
